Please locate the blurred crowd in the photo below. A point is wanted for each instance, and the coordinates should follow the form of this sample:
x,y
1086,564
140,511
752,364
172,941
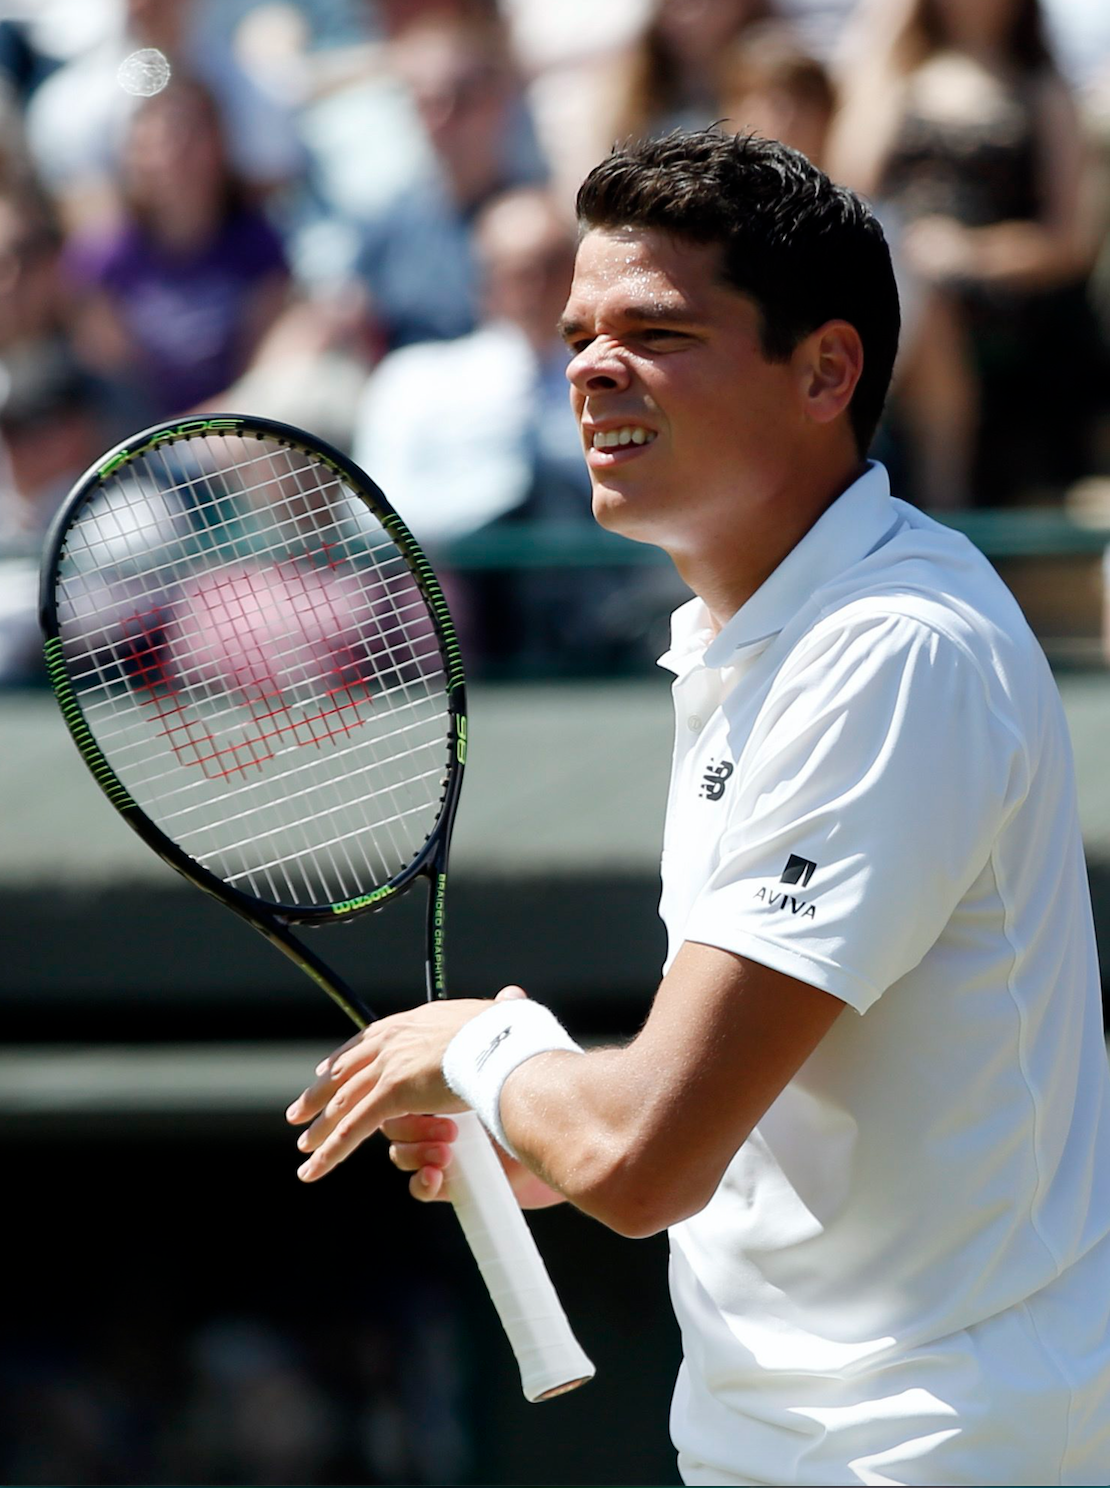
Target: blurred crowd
x,y
357,216
240,1398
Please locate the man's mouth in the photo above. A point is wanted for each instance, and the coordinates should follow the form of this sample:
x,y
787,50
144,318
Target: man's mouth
x,y
627,434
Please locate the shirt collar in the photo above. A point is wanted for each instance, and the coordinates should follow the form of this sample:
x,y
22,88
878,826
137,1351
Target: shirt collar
x,y
854,525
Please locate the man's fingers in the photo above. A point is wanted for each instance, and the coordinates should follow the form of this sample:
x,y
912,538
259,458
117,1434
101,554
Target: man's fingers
x,y
325,1064
427,1185
352,1127
313,1100
350,1096
410,1157
419,1129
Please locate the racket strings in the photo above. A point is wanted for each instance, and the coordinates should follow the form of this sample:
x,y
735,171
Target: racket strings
x,y
253,750
259,666
146,619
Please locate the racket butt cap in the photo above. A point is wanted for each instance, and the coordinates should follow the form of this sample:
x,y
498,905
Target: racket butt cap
x,y
564,1389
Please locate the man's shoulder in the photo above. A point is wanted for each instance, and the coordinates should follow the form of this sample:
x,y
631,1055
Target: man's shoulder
x,y
931,578
928,590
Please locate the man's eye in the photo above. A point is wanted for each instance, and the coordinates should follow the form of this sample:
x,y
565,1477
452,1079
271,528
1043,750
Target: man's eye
x,y
661,338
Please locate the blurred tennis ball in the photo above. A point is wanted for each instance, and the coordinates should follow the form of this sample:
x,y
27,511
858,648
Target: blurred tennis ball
x,y
144,73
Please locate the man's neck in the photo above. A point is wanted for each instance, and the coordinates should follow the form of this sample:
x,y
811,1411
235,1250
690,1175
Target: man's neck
x,y
725,573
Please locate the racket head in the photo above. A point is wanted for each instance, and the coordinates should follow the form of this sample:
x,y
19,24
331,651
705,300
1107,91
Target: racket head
x,y
258,665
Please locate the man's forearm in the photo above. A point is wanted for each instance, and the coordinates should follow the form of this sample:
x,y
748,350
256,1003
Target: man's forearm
x,y
639,1137
578,1122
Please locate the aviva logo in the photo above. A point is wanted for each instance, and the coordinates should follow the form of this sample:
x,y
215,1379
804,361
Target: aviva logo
x,y
772,899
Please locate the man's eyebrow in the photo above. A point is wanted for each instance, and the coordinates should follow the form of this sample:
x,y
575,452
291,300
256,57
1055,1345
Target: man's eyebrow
x,y
567,327
652,312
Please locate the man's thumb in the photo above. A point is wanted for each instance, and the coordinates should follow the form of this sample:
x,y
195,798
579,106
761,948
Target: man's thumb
x,y
510,994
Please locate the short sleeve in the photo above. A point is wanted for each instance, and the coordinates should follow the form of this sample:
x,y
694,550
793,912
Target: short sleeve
x,y
872,788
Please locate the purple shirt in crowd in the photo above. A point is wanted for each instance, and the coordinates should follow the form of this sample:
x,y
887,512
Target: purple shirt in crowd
x,y
185,312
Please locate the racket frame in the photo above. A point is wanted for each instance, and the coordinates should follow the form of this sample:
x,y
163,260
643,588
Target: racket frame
x,y
273,920
550,1358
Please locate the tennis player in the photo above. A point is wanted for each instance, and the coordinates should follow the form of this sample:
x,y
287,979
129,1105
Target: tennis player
x,y
870,1101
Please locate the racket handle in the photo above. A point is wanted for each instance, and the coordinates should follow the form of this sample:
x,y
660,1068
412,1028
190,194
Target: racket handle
x,y
550,1357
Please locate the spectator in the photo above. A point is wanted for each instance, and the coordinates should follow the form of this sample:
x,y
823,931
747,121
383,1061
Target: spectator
x,y
311,366
416,256
78,117
479,430
172,301
31,308
48,436
961,123
572,55
770,86
351,92
454,432
670,80
15,162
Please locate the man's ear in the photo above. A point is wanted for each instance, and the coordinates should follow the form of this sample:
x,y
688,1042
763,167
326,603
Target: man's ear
x,y
829,361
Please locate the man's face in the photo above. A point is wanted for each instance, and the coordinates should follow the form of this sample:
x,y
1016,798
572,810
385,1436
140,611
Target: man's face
x,y
667,357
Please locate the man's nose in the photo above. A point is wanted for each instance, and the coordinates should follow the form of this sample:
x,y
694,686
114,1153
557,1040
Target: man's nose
x,y
598,367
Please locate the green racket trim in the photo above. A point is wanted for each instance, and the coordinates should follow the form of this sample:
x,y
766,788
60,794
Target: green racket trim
x,y
550,1358
272,919
103,773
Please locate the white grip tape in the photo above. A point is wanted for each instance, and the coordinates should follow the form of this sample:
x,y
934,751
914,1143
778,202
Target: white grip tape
x,y
550,1357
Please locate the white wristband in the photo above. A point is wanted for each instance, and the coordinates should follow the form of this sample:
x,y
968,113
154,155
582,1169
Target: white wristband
x,y
485,1051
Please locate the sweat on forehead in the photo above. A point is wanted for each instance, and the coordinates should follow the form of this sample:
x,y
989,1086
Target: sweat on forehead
x,y
642,275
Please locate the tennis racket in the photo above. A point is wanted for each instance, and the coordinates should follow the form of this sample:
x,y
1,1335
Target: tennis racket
x,y
258,666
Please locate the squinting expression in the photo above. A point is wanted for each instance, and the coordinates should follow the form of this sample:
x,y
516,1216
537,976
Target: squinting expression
x,y
682,417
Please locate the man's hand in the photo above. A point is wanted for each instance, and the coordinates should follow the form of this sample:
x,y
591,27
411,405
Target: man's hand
x,y
421,1145
388,1070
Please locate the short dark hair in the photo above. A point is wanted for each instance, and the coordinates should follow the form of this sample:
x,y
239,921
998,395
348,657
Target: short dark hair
x,y
804,250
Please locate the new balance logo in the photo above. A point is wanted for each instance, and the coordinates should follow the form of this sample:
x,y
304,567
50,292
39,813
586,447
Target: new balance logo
x,y
713,781
491,1046
797,871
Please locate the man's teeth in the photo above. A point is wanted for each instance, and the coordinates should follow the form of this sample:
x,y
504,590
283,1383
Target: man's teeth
x,y
630,434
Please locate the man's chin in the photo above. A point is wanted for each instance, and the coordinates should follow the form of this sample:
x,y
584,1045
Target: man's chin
x,y
616,513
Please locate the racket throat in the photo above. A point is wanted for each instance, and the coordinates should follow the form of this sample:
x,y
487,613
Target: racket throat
x,y
435,960
277,933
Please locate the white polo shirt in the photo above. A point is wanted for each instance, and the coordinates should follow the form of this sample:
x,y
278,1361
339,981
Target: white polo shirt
x,y
904,1276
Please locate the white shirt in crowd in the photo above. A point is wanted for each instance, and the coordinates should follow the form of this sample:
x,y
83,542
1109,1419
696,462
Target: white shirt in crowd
x,y
904,1275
